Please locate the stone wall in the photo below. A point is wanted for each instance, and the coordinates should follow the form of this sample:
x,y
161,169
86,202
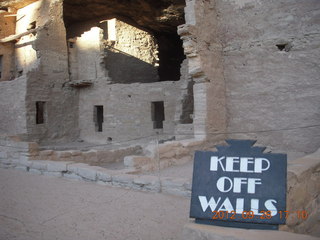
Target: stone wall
x,y
127,110
86,56
115,49
7,28
132,56
13,107
267,87
47,73
255,69
303,194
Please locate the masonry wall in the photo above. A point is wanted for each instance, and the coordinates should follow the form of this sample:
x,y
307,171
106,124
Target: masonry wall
x,y
244,84
86,56
266,88
127,110
13,107
7,28
113,49
133,56
46,69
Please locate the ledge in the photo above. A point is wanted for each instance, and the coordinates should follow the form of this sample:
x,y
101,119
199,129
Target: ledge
x,y
80,83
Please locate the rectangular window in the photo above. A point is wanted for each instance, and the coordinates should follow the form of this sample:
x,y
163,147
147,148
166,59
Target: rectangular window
x,y
40,112
98,117
1,57
157,114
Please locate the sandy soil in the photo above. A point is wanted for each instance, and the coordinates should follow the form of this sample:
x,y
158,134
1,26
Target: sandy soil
x,y
36,207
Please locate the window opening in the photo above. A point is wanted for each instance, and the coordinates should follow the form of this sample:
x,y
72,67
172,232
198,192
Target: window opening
x,y
40,112
98,117
32,25
157,114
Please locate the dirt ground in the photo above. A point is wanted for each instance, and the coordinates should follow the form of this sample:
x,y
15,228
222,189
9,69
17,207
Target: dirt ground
x,y
36,207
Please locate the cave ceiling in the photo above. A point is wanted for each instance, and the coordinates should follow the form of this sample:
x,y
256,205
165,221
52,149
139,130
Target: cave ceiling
x,y
153,15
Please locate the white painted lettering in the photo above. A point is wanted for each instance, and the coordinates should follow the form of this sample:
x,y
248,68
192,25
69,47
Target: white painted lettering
x,y
252,182
214,161
222,186
230,161
258,166
205,204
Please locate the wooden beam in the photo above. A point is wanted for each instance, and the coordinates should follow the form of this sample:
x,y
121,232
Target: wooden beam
x,y
17,36
10,15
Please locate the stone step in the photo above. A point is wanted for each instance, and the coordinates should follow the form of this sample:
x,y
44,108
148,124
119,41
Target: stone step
x,y
194,231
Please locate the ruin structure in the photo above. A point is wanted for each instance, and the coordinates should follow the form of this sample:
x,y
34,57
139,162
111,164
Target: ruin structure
x,y
148,82
113,72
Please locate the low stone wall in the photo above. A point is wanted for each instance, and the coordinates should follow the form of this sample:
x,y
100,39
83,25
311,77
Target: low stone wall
x,y
160,156
120,178
95,157
303,194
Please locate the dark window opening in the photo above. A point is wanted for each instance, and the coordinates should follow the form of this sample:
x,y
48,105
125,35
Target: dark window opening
x,y
71,45
40,112
188,105
104,27
98,117
32,25
171,55
284,46
1,57
157,114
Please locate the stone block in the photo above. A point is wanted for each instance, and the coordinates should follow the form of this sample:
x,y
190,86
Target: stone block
x,y
88,173
104,176
135,161
123,180
57,166
193,231
90,156
72,176
33,149
39,165
45,153
64,154
167,155
21,168
75,153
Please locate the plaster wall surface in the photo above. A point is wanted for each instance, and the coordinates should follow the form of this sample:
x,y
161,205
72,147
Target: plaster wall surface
x,y
127,109
13,107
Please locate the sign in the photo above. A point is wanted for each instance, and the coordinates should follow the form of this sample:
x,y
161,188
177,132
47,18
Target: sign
x,y
239,186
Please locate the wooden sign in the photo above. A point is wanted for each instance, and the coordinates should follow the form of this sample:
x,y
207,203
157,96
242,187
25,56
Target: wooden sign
x,y
239,186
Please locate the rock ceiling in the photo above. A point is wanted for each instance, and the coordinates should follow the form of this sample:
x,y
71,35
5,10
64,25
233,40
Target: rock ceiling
x,y
154,15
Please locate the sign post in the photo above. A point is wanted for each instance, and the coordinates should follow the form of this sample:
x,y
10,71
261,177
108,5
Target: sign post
x,y
239,186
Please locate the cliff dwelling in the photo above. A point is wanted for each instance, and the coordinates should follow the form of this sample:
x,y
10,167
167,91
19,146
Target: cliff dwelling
x,y
138,86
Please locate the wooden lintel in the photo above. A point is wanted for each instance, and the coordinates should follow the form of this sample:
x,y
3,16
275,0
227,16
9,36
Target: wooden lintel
x,y
17,36
10,15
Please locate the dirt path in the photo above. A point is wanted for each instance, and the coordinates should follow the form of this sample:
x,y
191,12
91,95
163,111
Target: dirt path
x,y
36,207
